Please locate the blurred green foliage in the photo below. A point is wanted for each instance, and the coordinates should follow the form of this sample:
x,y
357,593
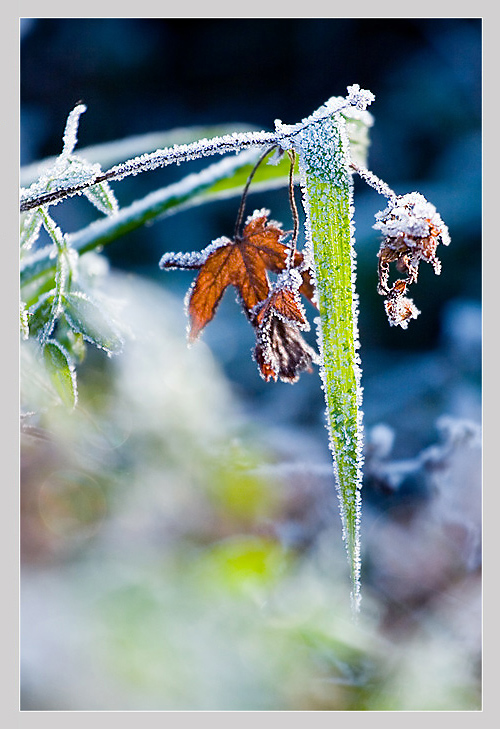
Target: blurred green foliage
x,y
157,536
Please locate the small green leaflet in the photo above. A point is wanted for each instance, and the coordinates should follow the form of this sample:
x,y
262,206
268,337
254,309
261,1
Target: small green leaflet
x,y
61,372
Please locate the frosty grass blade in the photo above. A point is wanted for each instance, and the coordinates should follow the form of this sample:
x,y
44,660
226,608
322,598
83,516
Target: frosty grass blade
x,y
327,195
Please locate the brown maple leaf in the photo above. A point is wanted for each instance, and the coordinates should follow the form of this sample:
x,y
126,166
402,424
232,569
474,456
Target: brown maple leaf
x,y
243,263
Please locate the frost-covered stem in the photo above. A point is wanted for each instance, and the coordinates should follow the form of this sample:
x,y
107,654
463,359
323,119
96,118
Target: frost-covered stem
x,y
379,185
327,193
160,158
202,148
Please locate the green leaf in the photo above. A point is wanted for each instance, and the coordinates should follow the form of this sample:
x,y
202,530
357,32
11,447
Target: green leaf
x,y
328,204
34,288
358,125
54,231
61,372
74,343
31,223
85,317
42,316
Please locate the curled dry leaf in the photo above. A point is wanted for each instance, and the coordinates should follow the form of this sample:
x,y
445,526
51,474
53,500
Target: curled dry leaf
x,y
281,351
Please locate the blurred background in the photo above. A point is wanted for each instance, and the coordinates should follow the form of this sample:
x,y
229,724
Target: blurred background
x,y
181,543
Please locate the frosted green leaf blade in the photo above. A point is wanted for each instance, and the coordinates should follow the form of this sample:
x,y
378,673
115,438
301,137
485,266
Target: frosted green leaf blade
x,y
61,372
327,189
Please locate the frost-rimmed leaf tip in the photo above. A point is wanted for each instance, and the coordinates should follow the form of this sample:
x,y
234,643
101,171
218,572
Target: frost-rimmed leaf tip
x,y
70,137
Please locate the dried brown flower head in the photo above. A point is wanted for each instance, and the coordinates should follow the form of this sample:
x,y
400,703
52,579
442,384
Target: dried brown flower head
x,y
412,230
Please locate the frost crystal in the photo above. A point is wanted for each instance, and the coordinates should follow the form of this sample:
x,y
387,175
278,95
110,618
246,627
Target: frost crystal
x,y
290,279
262,213
360,98
411,216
